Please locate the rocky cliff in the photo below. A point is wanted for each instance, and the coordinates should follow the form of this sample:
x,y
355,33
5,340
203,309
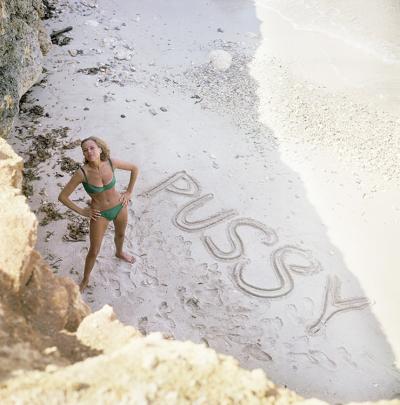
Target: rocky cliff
x,y
23,42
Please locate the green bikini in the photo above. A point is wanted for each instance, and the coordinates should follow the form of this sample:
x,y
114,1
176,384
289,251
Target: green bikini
x,y
113,212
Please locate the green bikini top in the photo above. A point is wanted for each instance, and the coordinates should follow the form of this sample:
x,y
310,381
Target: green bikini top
x,y
89,188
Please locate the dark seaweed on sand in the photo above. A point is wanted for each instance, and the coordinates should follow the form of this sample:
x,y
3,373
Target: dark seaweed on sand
x,y
51,213
77,229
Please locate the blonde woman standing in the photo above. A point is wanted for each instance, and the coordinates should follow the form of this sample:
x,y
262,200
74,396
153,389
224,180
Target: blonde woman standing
x,y
97,178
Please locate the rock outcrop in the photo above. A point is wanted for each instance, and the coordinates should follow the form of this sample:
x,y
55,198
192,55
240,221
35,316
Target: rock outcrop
x,y
23,42
37,309
141,370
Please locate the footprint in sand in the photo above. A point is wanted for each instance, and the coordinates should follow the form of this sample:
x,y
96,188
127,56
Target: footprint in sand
x,y
242,335
115,284
150,280
199,326
346,356
163,311
213,294
204,341
143,325
193,304
302,313
254,350
273,326
125,280
323,359
132,276
102,274
318,358
238,309
293,313
180,293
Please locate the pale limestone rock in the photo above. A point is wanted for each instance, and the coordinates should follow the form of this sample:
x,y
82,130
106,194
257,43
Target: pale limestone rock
x,y
51,303
43,38
181,375
35,305
10,166
77,309
221,60
93,331
17,238
120,53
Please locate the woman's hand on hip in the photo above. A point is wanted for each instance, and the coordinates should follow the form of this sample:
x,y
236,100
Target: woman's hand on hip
x,y
125,198
90,213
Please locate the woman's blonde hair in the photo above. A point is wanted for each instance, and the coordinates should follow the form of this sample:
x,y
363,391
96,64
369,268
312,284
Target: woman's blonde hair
x,y
105,150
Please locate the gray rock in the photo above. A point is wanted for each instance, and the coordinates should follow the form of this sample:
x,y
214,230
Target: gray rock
x,y
23,43
92,23
221,60
123,54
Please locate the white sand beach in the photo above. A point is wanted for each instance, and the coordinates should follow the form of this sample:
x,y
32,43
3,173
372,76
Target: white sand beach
x,y
266,215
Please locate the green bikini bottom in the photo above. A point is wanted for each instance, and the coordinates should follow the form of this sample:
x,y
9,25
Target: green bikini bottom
x,y
111,213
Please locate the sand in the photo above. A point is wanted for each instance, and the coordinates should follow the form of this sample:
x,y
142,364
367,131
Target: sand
x,y
266,213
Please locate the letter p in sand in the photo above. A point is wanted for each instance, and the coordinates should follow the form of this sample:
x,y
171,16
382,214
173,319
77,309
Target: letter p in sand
x,y
190,187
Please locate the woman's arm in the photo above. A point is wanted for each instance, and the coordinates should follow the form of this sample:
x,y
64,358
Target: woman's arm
x,y
63,197
120,164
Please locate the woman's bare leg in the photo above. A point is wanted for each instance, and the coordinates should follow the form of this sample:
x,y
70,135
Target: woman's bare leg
x,y
120,226
96,234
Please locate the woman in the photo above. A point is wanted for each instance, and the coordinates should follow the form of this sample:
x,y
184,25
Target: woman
x,y
97,178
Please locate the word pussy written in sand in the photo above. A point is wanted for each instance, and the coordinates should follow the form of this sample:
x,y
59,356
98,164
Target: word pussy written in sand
x,y
283,258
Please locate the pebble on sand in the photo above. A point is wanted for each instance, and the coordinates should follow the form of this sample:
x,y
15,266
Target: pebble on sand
x,y
221,60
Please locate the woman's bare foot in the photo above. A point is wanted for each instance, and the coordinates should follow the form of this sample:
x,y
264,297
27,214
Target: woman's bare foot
x,y
83,285
127,258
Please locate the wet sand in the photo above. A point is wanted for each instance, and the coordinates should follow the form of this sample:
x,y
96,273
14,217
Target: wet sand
x,y
264,221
